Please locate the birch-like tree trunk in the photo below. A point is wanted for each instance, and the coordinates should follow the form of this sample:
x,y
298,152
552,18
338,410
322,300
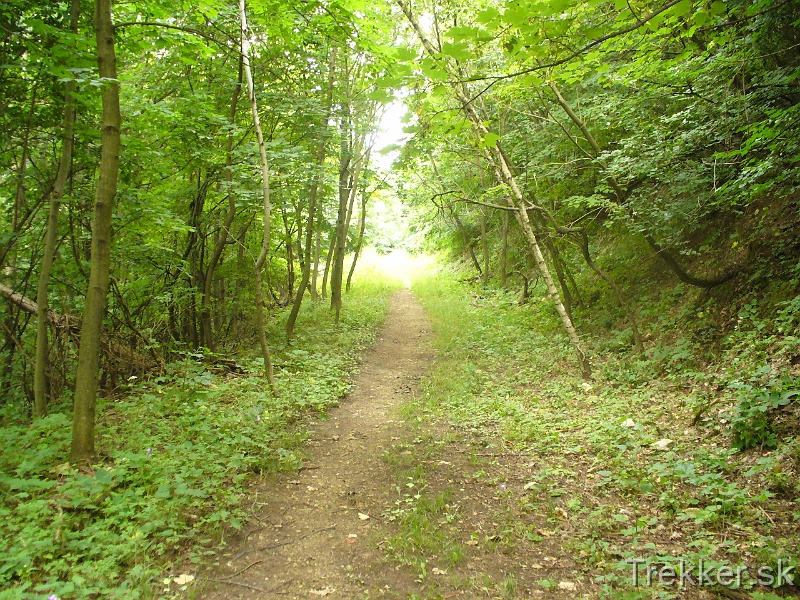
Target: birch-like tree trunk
x,y
265,179
505,176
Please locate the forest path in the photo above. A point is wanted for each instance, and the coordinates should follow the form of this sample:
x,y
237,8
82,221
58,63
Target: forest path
x,y
318,531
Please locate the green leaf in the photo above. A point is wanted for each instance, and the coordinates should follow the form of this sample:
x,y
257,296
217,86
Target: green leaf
x,y
700,18
381,95
487,15
404,54
681,8
461,33
531,80
717,8
459,51
490,140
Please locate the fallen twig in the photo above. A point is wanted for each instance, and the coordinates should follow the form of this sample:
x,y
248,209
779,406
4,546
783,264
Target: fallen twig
x,y
729,593
253,564
302,537
253,587
240,584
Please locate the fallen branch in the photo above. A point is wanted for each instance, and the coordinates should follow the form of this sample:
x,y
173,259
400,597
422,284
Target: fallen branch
x,y
253,587
251,565
122,354
29,306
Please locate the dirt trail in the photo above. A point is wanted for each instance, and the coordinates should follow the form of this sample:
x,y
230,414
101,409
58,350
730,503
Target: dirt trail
x,y
318,531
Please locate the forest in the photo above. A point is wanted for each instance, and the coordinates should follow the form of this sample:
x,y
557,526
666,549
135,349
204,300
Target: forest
x,y
209,210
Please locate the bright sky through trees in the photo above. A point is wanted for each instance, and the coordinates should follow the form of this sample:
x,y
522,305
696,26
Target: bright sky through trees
x,y
390,134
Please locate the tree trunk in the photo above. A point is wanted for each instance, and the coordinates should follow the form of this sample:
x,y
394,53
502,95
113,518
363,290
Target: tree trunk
x,y
312,211
89,352
362,220
315,267
504,175
562,280
348,183
504,249
328,259
265,178
467,242
51,239
222,239
484,250
289,243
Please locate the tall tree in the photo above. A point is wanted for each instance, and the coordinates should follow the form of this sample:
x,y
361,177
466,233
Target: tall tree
x,y
51,238
311,256
504,173
265,180
89,353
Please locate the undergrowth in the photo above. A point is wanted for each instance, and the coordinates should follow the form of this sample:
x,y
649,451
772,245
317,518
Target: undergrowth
x,y
661,458
176,456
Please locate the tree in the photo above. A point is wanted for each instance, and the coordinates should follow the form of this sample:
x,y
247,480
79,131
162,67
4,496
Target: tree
x,y
265,177
89,354
504,174
310,256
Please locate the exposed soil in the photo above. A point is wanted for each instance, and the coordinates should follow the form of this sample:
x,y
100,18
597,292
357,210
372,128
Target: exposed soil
x,y
318,531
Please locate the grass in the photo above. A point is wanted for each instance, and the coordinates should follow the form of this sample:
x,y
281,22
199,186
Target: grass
x,y
176,456
506,380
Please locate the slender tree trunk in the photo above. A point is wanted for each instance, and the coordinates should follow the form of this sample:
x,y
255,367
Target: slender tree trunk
x,y
312,210
265,178
317,252
504,175
328,260
362,221
19,196
289,243
562,280
504,249
51,239
301,253
354,184
467,242
89,352
462,230
484,250
348,175
222,238
576,290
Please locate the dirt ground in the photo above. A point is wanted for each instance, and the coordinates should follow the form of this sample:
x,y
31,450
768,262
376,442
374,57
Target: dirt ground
x,y
316,532
327,530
